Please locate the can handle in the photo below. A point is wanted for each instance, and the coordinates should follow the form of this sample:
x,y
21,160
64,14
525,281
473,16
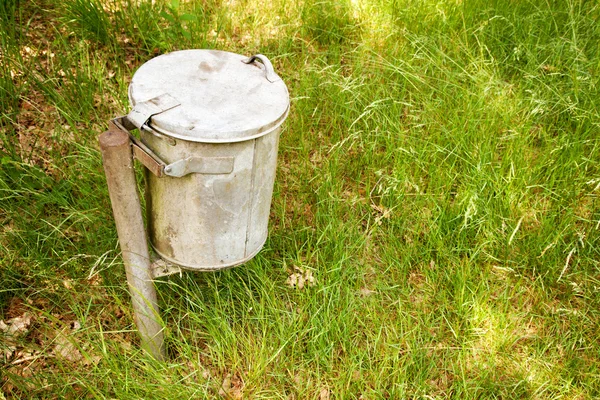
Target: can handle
x,y
269,70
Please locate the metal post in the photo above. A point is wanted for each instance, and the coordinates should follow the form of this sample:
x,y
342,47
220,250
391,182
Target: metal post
x,y
118,166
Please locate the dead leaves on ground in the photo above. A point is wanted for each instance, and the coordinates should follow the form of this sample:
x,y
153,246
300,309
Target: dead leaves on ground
x,y
37,337
12,329
324,394
34,342
382,213
232,387
300,278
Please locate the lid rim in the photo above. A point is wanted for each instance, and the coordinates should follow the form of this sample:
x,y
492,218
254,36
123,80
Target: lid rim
x,y
220,141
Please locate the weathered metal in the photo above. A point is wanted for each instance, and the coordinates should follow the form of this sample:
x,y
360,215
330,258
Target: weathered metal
x,y
207,221
222,99
143,155
222,120
269,70
162,268
200,165
144,110
209,123
120,177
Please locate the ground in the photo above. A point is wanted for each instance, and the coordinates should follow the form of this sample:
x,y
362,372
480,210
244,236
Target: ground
x,y
434,228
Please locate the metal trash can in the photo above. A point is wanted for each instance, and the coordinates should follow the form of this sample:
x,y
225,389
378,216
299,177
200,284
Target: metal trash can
x,y
209,124
214,119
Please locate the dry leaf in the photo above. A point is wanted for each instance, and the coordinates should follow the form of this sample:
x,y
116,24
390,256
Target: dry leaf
x,y
383,212
16,326
325,394
12,329
365,292
24,356
75,326
66,350
300,277
232,387
8,351
94,360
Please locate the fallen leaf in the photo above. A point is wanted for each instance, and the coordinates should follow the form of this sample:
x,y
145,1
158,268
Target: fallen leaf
x,y
325,394
232,387
16,326
9,351
94,360
75,326
300,277
66,350
24,356
365,292
384,213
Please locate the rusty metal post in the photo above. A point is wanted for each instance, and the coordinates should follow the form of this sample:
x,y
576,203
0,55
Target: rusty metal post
x,y
120,176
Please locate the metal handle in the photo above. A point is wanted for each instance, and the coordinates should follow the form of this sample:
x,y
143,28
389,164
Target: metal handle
x,y
200,165
269,70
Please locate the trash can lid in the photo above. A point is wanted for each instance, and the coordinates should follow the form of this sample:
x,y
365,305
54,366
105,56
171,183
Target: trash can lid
x,y
221,97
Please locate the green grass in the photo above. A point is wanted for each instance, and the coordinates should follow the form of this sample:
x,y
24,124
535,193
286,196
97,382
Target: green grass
x,y
438,174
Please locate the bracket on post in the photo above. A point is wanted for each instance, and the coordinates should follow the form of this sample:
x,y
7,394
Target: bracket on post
x,y
177,169
141,152
162,268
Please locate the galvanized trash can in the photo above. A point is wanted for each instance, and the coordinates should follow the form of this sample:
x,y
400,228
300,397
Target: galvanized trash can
x,y
218,135
209,124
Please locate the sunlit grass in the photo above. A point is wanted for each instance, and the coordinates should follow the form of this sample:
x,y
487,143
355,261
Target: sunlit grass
x,y
438,178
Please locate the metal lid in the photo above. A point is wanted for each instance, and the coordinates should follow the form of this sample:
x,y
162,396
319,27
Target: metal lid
x,y
213,96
